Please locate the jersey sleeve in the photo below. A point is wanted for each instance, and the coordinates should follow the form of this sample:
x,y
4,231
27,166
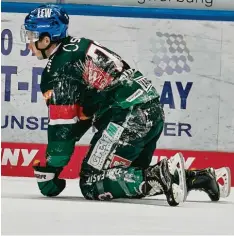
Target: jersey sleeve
x,y
63,118
66,124
135,89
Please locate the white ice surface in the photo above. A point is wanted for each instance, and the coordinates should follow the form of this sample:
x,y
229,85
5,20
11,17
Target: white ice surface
x,y
25,211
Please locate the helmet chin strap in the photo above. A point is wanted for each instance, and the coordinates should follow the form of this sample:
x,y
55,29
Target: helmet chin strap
x,y
44,49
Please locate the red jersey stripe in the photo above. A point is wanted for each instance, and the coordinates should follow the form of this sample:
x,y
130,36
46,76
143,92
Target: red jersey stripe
x,y
63,111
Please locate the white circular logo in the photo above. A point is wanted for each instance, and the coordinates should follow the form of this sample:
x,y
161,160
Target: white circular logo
x,y
70,47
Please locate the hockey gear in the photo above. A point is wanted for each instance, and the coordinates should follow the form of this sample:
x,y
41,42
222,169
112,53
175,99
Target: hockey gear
x,y
207,180
203,180
46,19
224,174
168,176
47,178
117,182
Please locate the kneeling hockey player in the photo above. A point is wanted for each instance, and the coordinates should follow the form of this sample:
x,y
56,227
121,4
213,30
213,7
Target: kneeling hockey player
x,y
86,84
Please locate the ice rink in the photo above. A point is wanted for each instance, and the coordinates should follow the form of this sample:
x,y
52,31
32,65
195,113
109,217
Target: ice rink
x,y
25,211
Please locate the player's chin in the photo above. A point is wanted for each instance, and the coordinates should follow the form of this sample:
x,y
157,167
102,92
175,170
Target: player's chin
x,y
40,57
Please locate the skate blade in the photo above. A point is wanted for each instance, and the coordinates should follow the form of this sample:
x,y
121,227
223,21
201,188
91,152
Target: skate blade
x,y
225,174
177,163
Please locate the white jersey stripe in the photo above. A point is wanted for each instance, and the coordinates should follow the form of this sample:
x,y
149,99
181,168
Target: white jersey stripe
x,y
63,121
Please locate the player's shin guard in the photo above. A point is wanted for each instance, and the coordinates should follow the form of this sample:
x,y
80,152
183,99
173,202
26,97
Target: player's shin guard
x,y
207,180
47,179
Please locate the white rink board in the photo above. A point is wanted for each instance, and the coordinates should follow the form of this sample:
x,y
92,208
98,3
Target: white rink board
x,y
209,111
26,212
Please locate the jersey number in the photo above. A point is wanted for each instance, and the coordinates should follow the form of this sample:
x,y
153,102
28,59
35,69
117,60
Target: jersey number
x,y
99,66
94,51
105,196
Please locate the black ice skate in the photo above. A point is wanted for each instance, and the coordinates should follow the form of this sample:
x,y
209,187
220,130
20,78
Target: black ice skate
x,y
167,176
208,180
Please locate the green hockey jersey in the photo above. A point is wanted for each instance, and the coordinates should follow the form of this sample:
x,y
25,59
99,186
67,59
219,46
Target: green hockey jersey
x,y
85,79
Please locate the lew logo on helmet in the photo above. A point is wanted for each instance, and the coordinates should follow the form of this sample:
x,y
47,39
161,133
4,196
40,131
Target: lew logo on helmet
x,y
44,13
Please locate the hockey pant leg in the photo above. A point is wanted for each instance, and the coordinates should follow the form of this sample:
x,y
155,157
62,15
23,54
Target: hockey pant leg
x,y
106,171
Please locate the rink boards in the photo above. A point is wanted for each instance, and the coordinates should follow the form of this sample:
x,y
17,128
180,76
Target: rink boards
x,y
191,69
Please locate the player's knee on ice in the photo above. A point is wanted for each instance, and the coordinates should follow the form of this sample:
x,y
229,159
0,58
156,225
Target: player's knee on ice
x,y
112,183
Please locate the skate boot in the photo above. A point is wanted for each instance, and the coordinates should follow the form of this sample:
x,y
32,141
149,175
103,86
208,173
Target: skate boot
x,y
167,176
216,183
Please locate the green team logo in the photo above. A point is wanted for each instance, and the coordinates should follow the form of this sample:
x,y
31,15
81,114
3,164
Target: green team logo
x,y
114,131
111,130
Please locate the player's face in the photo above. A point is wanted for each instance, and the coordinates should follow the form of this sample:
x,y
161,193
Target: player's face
x,y
41,44
33,48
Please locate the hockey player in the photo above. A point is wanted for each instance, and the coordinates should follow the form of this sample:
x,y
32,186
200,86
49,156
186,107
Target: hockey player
x,y
85,84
